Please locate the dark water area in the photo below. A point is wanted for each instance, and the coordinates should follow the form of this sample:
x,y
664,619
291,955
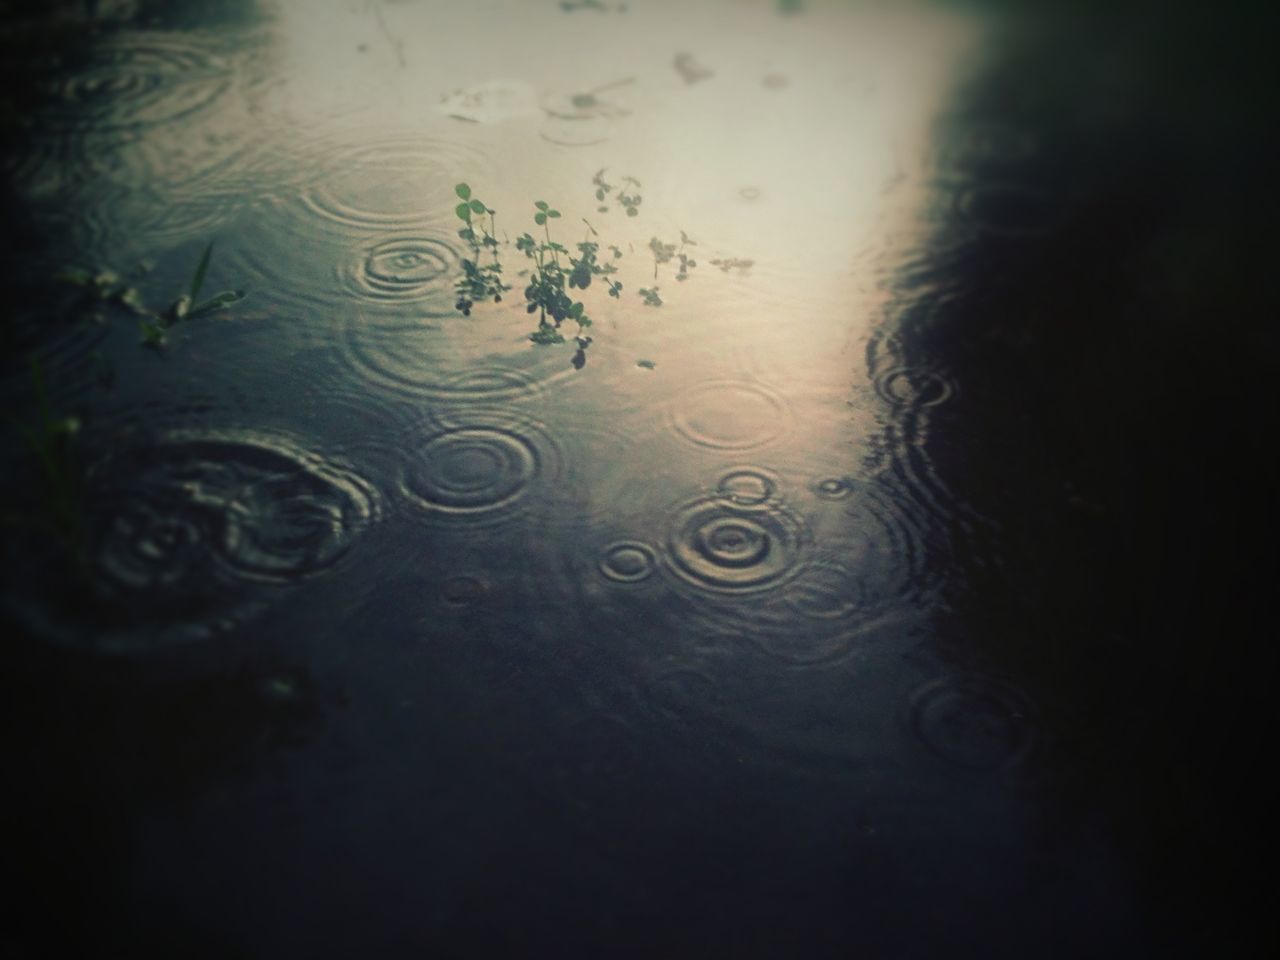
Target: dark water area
x,y
881,573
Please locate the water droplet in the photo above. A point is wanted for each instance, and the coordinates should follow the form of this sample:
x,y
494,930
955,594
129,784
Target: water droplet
x,y
628,562
747,485
724,546
914,387
832,488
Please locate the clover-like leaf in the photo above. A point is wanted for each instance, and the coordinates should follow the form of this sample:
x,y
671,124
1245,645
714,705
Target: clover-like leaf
x,y
463,210
477,206
542,205
463,191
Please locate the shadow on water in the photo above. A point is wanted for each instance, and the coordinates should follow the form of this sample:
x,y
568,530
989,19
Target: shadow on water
x,y
1096,295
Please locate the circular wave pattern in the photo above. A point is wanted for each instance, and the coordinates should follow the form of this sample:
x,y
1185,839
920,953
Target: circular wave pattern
x,y
449,358
885,549
476,471
825,592
153,81
747,486
403,270
391,185
576,132
972,722
719,545
798,647
162,545
252,507
729,415
914,387
628,562
293,524
491,383
832,488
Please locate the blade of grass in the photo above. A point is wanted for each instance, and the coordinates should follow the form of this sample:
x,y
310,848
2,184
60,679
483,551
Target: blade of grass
x,y
198,280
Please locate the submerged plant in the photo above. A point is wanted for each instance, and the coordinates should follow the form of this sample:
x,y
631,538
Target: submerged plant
x,y
733,263
627,195
665,253
479,281
545,294
188,306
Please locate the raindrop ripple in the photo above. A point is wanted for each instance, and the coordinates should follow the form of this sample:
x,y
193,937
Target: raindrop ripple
x,y
724,546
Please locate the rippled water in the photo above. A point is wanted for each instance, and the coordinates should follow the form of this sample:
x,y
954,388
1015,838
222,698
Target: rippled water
x,y
730,632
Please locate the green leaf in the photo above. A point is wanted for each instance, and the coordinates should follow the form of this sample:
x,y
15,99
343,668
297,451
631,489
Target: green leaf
x,y
553,213
542,205
463,210
477,206
463,191
576,311
539,218
198,280
647,364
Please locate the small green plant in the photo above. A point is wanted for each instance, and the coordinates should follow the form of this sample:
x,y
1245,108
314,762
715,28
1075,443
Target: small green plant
x,y
646,364
479,281
545,294
665,253
187,306
106,287
733,263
